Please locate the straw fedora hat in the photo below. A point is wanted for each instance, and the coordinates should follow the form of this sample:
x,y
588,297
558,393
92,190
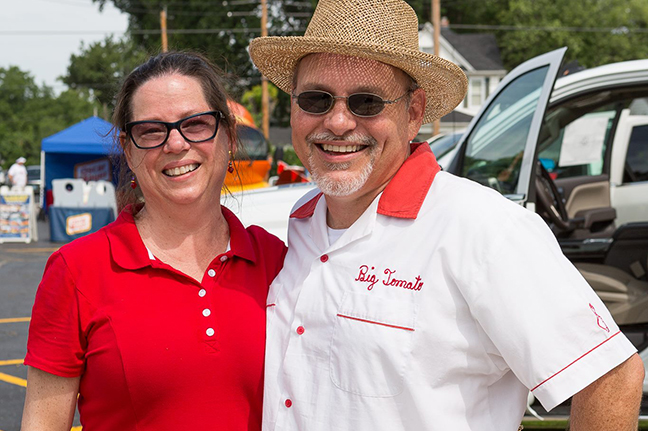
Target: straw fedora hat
x,y
382,30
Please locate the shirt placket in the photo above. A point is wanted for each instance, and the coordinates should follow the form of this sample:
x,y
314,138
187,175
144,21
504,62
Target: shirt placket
x,y
208,296
293,405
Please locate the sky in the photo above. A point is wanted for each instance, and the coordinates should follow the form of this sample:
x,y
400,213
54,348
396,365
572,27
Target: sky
x,y
39,36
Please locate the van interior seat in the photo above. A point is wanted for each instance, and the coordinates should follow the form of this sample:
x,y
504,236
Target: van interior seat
x,y
625,296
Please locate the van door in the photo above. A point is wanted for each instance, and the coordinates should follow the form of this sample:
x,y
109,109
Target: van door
x,y
499,147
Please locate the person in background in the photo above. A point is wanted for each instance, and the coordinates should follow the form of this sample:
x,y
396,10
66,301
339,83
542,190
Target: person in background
x,y
412,299
157,321
17,174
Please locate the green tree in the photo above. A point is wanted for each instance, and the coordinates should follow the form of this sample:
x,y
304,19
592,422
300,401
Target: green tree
x,y
582,25
220,29
30,113
251,100
100,68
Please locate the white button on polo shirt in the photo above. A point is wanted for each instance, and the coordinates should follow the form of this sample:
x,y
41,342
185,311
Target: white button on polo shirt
x,y
202,293
211,273
427,314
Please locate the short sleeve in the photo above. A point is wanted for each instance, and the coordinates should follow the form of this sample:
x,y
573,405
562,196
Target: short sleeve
x,y
272,249
55,344
541,316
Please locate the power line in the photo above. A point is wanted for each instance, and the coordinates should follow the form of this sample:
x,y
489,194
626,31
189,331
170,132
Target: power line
x,y
142,32
613,30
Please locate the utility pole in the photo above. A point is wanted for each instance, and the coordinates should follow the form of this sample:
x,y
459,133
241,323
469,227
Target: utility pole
x,y
163,27
436,24
264,80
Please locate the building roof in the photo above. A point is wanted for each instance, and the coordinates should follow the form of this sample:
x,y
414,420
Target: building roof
x,y
456,117
479,49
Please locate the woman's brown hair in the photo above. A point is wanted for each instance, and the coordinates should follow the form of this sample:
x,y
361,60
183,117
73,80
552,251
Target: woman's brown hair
x,y
185,63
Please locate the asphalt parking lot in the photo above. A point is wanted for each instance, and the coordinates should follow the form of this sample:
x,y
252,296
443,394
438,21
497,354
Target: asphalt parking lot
x,y
21,268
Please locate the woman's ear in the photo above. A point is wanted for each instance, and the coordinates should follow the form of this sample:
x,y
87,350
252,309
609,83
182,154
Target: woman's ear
x,y
123,141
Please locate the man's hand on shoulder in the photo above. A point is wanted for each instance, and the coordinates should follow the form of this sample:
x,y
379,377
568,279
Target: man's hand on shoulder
x,y
612,402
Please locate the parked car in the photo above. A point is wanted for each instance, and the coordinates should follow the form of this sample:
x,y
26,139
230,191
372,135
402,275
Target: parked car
x,y
34,180
34,176
442,144
577,154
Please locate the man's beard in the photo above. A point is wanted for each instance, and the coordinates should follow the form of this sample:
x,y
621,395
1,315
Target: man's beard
x,y
319,170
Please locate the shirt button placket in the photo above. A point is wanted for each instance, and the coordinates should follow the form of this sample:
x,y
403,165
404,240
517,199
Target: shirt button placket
x,y
206,312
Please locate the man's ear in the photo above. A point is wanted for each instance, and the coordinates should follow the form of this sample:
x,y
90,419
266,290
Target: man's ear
x,y
416,112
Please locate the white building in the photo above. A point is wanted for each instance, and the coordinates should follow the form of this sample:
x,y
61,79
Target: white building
x,y
478,56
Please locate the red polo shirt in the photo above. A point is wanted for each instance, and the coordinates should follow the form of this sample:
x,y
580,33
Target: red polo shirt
x,y
156,349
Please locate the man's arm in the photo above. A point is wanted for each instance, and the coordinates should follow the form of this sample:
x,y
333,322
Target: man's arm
x,y
612,402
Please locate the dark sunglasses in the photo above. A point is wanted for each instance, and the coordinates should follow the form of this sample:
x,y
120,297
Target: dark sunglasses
x,y
361,104
149,134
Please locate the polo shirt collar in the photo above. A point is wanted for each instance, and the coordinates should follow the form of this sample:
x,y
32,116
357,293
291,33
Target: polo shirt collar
x,y
406,191
129,252
240,239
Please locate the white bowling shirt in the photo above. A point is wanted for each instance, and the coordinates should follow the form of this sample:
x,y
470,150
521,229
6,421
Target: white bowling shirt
x,y
438,309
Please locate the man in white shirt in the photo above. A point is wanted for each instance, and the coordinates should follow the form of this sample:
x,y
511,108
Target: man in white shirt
x,y
18,174
411,299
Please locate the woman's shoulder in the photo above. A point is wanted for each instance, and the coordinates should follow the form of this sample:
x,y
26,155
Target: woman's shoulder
x,y
262,235
95,245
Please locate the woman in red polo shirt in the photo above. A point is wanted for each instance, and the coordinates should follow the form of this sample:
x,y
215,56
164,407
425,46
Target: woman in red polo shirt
x,y
157,321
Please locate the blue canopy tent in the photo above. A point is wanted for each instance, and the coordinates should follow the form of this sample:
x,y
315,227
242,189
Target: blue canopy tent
x,y
80,151
88,140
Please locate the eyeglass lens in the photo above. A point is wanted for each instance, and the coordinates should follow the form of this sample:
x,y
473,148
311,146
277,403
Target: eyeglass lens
x,y
197,128
360,104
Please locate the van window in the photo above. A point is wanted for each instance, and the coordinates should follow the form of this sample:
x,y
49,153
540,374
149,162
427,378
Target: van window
x,y
495,148
636,168
576,142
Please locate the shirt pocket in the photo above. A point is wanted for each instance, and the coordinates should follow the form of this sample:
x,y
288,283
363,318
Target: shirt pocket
x,y
371,344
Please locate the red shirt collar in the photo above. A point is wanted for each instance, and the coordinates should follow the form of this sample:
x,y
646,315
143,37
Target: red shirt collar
x,y
129,252
405,193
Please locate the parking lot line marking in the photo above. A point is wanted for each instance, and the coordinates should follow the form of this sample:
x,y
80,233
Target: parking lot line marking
x,y
15,319
32,250
11,362
13,380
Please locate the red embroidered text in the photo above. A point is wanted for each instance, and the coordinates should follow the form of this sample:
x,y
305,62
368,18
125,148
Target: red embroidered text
x,y
365,277
393,281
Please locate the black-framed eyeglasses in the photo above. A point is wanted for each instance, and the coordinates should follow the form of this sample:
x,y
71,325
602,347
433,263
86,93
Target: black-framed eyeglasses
x,y
149,134
320,102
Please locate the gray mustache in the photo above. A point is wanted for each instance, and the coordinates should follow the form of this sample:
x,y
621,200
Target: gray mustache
x,y
356,138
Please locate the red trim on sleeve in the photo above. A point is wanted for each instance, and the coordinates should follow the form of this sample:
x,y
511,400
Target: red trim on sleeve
x,y
576,360
270,305
376,323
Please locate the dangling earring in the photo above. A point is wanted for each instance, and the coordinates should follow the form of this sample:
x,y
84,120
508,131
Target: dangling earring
x,y
230,165
133,183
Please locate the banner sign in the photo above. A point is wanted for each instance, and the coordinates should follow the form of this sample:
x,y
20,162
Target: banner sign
x,y
94,170
78,223
17,221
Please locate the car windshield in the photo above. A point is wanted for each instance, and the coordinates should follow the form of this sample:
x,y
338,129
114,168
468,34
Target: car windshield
x,y
444,144
33,173
253,142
